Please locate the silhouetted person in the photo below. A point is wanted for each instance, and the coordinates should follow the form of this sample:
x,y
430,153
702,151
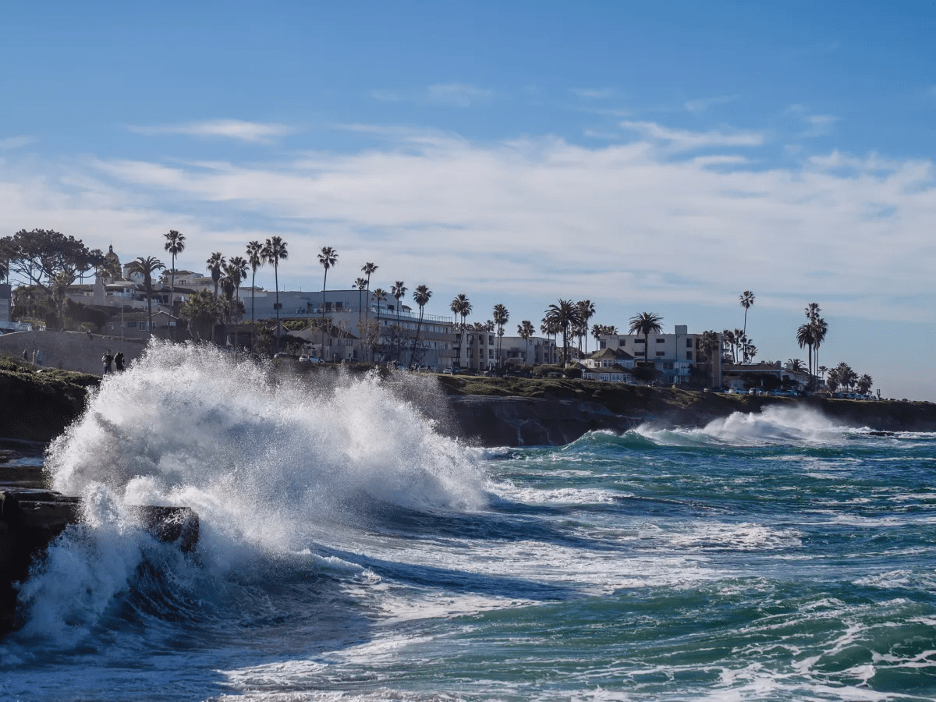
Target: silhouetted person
x,y
118,361
107,359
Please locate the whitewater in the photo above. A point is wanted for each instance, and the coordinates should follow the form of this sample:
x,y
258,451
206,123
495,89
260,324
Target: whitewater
x,y
350,548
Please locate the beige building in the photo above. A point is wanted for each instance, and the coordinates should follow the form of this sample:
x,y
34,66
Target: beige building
x,y
673,355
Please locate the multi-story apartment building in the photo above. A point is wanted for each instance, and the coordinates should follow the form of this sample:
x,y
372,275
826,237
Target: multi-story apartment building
x,y
673,355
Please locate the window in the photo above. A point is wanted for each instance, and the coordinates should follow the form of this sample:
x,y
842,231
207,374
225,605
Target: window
x,y
661,353
688,343
661,341
688,355
638,341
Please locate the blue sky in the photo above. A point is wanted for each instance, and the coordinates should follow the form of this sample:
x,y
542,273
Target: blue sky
x,y
656,157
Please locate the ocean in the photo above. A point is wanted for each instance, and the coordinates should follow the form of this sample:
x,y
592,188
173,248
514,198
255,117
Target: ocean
x,y
350,550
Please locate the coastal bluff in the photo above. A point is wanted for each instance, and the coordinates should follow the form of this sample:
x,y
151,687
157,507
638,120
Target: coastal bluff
x,y
560,411
37,404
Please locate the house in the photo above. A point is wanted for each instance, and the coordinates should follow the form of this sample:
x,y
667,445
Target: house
x,y
678,357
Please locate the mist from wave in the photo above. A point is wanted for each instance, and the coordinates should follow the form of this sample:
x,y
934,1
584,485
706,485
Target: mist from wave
x,y
269,461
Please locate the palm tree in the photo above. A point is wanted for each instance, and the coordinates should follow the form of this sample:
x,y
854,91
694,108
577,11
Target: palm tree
x,y
236,270
329,259
804,337
201,310
586,310
146,267
864,384
562,317
710,345
823,370
525,330
367,269
379,295
421,296
820,329
501,316
175,244
645,323
255,259
398,290
215,262
795,365
747,300
274,251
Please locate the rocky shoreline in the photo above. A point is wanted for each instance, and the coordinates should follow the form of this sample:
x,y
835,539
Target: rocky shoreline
x,y
38,406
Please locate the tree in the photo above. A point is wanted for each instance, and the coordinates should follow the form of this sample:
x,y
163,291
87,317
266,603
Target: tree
x,y
398,290
501,317
255,260
215,263
234,272
367,269
379,295
146,267
747,301
586,310
645,323
421,296
201,310
795,365
562,318
175,244
525,330
710,345
274,251
328,257
805,338
863,384
46,259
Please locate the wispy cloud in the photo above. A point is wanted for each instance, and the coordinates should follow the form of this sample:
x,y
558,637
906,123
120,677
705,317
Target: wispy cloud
x,y
251,132
704,104
445,94
593,94
809,125
684,140
16,142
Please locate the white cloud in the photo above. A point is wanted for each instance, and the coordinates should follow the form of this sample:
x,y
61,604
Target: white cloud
x,y
251,132
16,142
445,94
593,94
684,140
703,104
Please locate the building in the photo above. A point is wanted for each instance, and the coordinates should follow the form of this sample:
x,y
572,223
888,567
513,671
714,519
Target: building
x,y
678,357
6,302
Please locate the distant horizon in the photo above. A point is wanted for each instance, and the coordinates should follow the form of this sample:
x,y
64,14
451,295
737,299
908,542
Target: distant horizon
x,y
657,157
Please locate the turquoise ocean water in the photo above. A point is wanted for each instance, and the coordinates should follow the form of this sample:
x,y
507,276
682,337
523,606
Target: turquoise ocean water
x,y
350,551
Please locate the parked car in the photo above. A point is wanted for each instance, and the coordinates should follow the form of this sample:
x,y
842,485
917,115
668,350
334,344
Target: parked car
x,y
309,359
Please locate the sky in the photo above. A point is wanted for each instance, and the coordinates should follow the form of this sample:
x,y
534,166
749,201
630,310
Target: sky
x,y
648,156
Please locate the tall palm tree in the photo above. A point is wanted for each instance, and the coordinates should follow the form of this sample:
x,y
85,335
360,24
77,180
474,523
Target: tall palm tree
x,y
820,329
175,244
328,257
367,269
501,317
747,301
236,270
379,295
274,251
360,284
525,330
255,259
398,290
421,296
562,317
215,263
804,337
645,323
586,310
146,267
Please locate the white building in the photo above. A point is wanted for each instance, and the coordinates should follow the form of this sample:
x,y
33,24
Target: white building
x,y
673,355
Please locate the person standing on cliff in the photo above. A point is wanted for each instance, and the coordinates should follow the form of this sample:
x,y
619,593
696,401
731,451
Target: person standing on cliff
x,y
107,359
118,361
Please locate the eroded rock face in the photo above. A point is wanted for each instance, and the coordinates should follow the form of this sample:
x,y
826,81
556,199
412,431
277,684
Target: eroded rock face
x,y
518,421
